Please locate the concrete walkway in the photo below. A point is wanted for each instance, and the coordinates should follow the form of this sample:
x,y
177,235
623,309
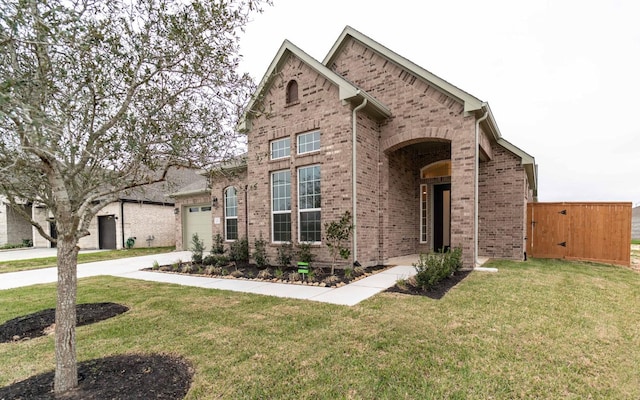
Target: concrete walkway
x,y
349,295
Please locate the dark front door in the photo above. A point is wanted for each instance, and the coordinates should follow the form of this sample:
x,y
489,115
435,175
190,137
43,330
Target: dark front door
x,y
441,217
107,232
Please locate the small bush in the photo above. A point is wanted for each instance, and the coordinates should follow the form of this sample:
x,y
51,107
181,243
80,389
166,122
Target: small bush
x,y
304,252
278,273
359,271
239,251
197,248
294,276
265,274
155,265
218,245
434,267
237,274
285,254
331,280
260,252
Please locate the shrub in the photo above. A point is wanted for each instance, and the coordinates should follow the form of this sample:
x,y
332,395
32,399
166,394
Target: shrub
x,y
197,248
155,265
218,245
279,273
285,254
260,252
265,274
434,267
239,251
304,252
337,234
294,276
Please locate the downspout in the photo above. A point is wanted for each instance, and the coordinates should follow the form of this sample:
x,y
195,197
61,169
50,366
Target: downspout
x,y
246,211
476,188
122,222
354,121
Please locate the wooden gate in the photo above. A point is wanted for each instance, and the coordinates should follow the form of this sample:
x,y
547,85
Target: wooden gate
x,y
598,232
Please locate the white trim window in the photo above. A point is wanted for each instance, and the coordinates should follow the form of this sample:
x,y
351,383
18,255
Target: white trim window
x,y
309,210
281,206
230,214
424,212
308,142
280,148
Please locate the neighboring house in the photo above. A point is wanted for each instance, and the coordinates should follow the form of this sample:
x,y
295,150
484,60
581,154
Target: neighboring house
x,y
14,229
144,214
419,163
635,223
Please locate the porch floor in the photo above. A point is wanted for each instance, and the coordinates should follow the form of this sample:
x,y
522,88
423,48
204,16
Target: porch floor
x,y
411,259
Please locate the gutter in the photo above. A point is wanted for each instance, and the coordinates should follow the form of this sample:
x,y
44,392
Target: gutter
x,y
354,194
476,187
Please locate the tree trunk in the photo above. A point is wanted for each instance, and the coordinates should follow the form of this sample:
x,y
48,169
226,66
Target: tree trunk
x,y
66,376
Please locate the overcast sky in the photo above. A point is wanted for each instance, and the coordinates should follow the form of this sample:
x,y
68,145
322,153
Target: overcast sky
x,y
562,77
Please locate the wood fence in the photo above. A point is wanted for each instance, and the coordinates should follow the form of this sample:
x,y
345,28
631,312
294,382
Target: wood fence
x,y
598,232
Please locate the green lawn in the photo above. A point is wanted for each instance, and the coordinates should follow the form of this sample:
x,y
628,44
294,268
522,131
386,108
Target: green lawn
x,y
542,329
635,241
36,263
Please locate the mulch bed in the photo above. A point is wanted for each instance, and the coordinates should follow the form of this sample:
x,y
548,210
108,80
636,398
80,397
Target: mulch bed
x,y
129,376
436,292
120,377
319,277
35,325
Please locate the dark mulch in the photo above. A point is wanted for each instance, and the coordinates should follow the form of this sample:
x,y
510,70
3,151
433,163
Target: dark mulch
x,y
436,292
252,271
34,325
123,377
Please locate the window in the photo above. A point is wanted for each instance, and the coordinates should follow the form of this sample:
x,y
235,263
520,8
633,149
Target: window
x,y
281,206
230,214
423,213
292,92
437,169
309,204
280,148
308,142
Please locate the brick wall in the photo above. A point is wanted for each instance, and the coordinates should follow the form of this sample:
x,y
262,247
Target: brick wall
x,y
13,228
421,112
318,108
504,194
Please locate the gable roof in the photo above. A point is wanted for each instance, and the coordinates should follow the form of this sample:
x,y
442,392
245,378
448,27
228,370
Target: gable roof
x,y
471,103
348,92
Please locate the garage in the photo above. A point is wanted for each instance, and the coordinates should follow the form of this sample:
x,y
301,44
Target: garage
x,y
197,219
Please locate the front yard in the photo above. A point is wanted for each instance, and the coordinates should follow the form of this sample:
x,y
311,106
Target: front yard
x,y
540,329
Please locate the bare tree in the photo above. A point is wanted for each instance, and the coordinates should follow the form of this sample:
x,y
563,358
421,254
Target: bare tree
x,y
97,97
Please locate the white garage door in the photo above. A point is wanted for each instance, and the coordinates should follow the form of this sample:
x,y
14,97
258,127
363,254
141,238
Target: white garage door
x,y
197,220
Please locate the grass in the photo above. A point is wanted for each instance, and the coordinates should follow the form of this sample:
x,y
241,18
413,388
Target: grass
x,y
46,262
635,241
540,329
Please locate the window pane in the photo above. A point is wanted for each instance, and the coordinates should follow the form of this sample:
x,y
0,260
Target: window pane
x,y
310,230
230,202
281,190
309,187
231,229
282,227
308,142
280,148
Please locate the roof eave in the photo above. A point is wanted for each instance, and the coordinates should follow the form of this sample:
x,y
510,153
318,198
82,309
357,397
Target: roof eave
x,y
470,102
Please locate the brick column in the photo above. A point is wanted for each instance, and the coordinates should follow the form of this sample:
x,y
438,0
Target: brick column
x,y
462,190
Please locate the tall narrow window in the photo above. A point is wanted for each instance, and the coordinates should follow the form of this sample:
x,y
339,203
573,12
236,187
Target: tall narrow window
x,y
292,92
281,206
423,213
309,204
230,214
308,142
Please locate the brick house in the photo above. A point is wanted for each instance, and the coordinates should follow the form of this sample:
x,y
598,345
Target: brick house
x,y
419,163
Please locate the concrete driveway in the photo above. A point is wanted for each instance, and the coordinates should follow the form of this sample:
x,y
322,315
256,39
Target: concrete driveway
x,y
119,267
26,254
